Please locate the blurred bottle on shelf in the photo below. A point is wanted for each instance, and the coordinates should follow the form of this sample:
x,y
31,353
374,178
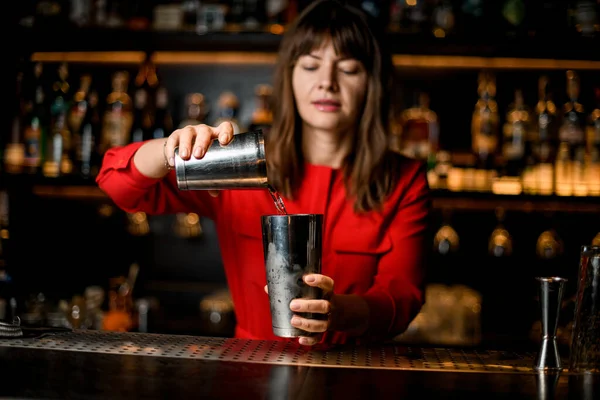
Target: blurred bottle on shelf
x,y
593,148
196,110
420,131
515,131
500,243
484,131
229,106
118,115
570,172
545,142
262,116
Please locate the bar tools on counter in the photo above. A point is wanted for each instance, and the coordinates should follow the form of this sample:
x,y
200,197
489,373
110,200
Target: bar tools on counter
x,y
550,297
585,339
241,165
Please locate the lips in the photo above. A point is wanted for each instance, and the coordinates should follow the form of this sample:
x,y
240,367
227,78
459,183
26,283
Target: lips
x,y
327,105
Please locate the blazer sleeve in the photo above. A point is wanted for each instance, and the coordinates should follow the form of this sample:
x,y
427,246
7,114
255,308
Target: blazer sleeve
x,y
397,293
132,191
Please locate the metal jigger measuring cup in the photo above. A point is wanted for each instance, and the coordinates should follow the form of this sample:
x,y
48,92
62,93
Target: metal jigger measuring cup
x,y
551,293
241,164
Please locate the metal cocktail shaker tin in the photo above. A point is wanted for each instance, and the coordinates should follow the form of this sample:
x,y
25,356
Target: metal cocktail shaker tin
x,y
292,249
241,164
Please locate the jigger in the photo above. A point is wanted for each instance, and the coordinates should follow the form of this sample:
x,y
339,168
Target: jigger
x,y
551,294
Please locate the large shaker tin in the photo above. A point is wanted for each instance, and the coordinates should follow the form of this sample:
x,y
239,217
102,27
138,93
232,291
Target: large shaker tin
x,y
292,249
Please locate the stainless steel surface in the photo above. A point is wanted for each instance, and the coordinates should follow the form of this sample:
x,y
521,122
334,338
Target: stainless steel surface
x,y
292,249
239,165
585,340
387,356
551,294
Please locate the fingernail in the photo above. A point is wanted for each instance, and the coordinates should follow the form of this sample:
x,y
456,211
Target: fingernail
x,y
295,321
310,279
294,305
197,152
183,152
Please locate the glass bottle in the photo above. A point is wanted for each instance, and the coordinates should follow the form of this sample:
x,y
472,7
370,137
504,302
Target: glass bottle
x,y
515,131
420,130
546,138
117,121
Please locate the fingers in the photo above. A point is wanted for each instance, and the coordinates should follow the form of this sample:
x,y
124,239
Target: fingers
x,y
312,306
310,325
204,136
266,289
194,140
224,132
309,340
320,281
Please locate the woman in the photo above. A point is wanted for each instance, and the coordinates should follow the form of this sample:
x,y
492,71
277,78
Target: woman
x,y
327,153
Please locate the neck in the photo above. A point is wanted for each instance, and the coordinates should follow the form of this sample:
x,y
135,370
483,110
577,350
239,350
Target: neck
x,y
324,148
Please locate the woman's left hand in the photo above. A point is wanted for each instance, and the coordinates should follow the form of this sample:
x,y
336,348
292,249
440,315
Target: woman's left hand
x,y
322,306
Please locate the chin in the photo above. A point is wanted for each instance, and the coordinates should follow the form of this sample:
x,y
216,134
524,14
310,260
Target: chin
x,y
325,123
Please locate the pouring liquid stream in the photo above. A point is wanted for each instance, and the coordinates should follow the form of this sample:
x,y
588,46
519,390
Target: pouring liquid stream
x,y
277,200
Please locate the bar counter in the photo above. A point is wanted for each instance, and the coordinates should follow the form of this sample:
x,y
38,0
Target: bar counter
x,y
109,365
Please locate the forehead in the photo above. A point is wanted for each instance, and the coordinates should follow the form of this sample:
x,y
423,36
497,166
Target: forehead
x,y
326,49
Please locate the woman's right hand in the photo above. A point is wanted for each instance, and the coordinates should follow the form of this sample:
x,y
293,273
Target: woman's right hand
x,y
194,140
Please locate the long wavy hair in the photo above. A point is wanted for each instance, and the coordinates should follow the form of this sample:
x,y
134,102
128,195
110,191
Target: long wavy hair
x,y
370,169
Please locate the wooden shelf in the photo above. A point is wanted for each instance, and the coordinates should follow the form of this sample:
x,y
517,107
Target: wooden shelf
x,y
267,58
95,57
258,47
442,199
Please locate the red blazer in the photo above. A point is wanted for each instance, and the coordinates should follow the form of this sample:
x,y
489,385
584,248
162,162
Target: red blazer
x,y
378,255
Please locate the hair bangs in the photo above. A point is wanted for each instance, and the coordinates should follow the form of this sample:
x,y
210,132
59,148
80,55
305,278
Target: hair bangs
x,y
344,28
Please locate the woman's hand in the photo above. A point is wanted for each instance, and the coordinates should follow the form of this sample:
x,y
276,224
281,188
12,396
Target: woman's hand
x,y
322,306
194,141
154,156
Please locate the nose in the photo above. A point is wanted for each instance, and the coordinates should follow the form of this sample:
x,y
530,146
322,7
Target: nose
x,y
327,78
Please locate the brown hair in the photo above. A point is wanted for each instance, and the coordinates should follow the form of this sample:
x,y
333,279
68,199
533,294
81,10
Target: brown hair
x,y
369,170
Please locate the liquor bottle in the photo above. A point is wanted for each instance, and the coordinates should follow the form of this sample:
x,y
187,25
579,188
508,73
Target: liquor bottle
x,y
484,128
56,160
262,117
443,20
515,131
228,110
593,144
420,130
35,132
163,122
196,110
500,243
13,152
546,140
142,116
60,104
117,121
570,166
80,104
513,12
61,91
87,157
584,17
